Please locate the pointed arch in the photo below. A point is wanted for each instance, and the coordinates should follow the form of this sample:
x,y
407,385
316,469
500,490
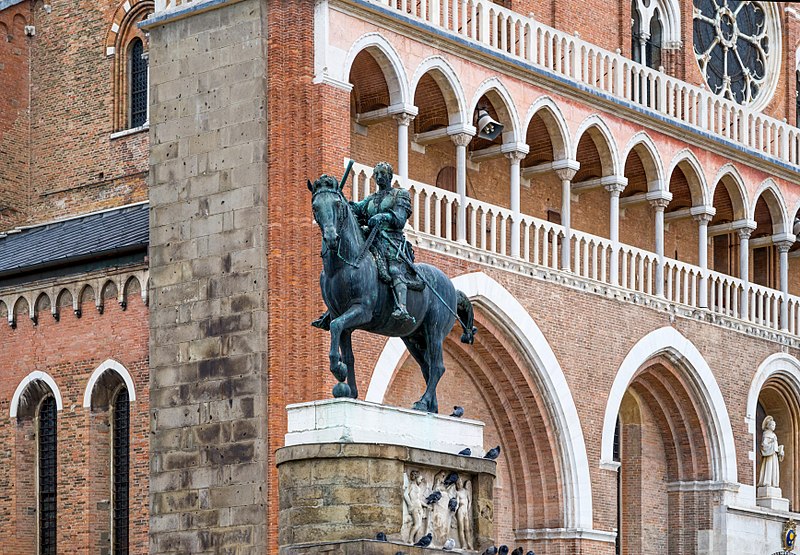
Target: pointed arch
x,y
447,79
732,180
109,365
607,147
556,125
776,204
652,162
695,175
501,303
389,61
27,381
503,102
778,364
669,341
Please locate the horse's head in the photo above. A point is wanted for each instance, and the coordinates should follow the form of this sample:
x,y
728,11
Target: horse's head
x,y
329,207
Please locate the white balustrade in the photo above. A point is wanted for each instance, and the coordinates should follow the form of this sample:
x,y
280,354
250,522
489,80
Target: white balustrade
x,y
435,213
522,37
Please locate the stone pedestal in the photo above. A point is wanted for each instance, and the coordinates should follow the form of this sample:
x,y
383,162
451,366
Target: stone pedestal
x,y
338,490
770,498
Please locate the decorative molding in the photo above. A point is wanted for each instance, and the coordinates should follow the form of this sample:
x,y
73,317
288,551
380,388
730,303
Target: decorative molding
x,y
112,366
23,385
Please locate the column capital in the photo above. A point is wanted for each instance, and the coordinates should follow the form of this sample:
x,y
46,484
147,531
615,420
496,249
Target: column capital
x,y
702,214
461,139
402,109
783,241
660,204
614,184
658,199
404,118
566,169
744,233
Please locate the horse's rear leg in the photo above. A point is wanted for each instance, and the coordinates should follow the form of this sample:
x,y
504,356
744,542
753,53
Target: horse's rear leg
x,y
349,361
435,363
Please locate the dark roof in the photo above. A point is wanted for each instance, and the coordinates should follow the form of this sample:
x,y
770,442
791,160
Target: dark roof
x,y
107,233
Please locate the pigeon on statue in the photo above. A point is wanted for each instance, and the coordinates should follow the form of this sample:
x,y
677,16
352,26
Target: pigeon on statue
x,y
465,452
458,412
451,479
449,545
425,540
381,537
503,550
490,550
530,552
453,504
517,551
492,454
433,497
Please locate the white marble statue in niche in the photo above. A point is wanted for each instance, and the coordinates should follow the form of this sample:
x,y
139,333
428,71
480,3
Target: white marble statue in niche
x,y
771,456
444,509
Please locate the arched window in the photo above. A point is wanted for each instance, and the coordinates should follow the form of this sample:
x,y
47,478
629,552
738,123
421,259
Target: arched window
x,y
47,447
647,34
120,458
653,45
137,62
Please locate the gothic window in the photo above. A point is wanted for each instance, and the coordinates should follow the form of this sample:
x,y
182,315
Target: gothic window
x,y
138,83
47,476
646,34
733,47
121,471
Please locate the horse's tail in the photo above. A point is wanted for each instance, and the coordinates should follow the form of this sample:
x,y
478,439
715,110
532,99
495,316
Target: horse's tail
x,y
466,318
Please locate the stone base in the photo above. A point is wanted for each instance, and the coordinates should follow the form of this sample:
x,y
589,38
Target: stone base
x,y
352,421
358,547
770,498
335,492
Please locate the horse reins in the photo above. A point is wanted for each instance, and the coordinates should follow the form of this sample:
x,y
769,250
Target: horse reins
x,y
339,222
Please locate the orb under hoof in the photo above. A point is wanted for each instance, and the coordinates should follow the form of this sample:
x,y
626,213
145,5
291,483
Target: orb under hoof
x,y
341,389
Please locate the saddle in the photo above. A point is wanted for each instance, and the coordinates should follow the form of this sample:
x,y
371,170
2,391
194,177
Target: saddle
x,y
411,276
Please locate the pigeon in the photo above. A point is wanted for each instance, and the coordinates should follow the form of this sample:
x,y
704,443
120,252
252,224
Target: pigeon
x,y
425,540
452,504
517,551
530,552
449,545
490,550
465,452
458,412
503,550
433,497
492,454
381,537
451,479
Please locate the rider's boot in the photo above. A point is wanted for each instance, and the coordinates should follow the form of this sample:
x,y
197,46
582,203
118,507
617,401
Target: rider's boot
x,y
323,322
401,312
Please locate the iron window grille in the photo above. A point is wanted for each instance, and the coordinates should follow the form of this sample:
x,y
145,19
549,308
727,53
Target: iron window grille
x,y
121,472
47,476
138,72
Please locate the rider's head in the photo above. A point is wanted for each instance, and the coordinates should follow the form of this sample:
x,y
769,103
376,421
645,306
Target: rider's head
x,y
383,175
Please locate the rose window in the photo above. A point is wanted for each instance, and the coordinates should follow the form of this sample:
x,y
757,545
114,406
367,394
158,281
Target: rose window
x,y
733,48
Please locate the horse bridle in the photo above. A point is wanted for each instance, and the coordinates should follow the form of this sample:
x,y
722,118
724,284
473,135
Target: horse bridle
x,y
339,221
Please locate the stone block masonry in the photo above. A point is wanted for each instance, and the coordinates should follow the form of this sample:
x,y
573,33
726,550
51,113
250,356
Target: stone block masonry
x,y
208,336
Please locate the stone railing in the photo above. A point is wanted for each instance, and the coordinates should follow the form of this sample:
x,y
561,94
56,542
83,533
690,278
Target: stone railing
x,y
164,5
569,57
489,228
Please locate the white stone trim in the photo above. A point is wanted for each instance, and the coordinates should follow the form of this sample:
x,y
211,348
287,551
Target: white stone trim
x,y
690,158
33,376
545,103
459,115
642,138
109,364
389,61
733,172
479,287
522,534
595,120
781,226
669,341
131,131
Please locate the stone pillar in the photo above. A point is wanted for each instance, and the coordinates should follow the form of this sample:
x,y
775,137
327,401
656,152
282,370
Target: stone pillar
x,y
744,270
208,280
566,170
514,158
659,205
702,219
403,121
461,140
783,246
614,189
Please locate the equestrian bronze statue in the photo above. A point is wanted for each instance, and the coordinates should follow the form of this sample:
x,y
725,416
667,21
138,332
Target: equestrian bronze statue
x,y
369,282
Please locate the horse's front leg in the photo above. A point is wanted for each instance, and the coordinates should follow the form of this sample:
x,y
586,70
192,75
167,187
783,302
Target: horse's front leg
x,y
349,361
351,318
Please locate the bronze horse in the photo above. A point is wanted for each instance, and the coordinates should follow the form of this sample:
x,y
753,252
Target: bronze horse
x,y
357,299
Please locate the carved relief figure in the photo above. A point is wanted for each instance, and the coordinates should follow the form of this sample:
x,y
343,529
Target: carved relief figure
x,y
413,496
439,523
464,513
772,455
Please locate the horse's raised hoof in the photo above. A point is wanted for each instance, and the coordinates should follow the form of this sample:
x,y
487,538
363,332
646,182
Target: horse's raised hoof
x,y
339,371
341,389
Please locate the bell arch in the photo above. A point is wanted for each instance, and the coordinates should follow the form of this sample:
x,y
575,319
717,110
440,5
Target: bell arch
x,y
501,310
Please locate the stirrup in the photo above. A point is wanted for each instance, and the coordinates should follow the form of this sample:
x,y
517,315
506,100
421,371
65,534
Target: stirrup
x,y
403,315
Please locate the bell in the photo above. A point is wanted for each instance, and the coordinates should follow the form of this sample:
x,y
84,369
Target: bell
x,y
488,128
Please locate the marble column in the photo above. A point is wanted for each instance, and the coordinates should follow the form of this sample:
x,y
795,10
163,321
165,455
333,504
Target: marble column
x,y
783,247
614,189
403,120
565,174
514,159
461,140
659,205
702,256
744,270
